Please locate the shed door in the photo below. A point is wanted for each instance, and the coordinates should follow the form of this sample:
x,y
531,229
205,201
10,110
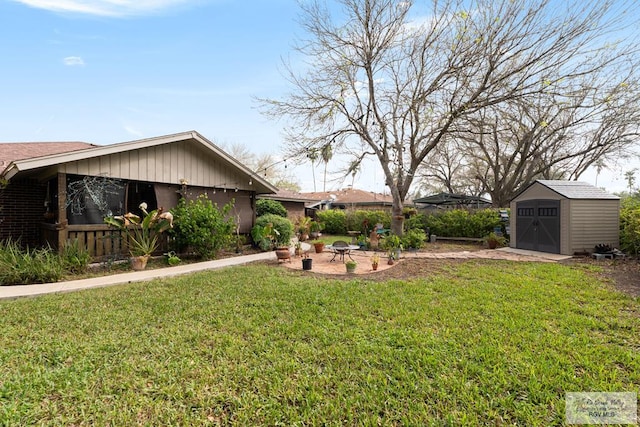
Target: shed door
x,y
538,225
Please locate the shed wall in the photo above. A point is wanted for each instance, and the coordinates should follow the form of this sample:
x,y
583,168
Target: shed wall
x,y
593,222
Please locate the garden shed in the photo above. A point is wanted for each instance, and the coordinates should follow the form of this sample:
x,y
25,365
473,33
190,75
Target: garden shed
x,y
564,217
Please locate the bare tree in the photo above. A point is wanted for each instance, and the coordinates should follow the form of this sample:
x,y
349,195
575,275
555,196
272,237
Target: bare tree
x,y
265,165
381,82
556,134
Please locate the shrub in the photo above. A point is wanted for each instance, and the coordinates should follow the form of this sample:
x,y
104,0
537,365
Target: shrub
x,y
267,206
334,221
630,225
25,267
74,257
281,236
463,223
416,222
414,238
201,226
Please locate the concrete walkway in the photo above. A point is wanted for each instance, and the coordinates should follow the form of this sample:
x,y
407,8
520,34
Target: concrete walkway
x,y
139,276
136,276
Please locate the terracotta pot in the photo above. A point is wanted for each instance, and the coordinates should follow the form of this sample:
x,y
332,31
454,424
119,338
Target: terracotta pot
x,y
374,266
283,253
319,247
390,261
139,263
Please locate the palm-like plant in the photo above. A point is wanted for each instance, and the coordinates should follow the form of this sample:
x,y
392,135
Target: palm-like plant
x,y
142,232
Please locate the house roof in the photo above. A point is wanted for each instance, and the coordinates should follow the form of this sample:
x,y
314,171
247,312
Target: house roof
x,y
575,189
352,196
289,196
441,199
13,151
92,151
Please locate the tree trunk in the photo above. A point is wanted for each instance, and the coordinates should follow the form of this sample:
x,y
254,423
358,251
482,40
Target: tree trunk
x,y
397,218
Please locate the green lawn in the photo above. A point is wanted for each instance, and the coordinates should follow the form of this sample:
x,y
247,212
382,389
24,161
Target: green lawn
x,y
485,343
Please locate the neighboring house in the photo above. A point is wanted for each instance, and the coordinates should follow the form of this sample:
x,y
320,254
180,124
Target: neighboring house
x,y
350,198
295,203
60,191
564,217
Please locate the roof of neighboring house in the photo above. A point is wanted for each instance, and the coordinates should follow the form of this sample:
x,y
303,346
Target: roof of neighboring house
x,y
575,189
289,196
452,199
13,151
93,151
352,196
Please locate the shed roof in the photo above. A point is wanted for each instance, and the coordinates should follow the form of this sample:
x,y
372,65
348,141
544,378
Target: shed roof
x,y
575,189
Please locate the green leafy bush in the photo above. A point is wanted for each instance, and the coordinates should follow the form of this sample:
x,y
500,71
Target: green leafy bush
x,y
74,257
25,267
267,206
335,221
463,223
630,225
202,227
280,234
414,238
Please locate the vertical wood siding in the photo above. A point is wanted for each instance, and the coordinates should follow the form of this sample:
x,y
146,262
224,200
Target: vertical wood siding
x,y
168,163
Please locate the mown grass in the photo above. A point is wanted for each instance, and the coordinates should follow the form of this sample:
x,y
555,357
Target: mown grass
x,y
484,343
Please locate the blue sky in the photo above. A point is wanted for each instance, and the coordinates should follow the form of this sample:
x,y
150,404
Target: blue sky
x,y
121,73
106,71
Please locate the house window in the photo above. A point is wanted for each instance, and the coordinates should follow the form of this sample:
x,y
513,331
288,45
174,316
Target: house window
x,y
91,198
139,192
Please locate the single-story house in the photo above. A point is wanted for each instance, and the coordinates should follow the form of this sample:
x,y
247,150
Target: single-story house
x,y
60,191
295,203
351,198
564,217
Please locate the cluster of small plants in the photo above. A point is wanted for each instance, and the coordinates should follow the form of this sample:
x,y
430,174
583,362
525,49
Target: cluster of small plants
x,y
24,266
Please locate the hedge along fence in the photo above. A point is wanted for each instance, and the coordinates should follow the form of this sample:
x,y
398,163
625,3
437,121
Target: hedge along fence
x,y
445,223
460,222
339,221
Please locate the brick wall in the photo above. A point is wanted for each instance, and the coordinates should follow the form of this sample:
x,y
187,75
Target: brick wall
x,y
22,210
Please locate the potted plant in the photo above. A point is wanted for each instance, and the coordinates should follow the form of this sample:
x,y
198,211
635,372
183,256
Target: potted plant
x,y
493,240
319,246
351,266
142,232
391,256
306,262
298,250
172,258
303,225
315,228
375,260
393,243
